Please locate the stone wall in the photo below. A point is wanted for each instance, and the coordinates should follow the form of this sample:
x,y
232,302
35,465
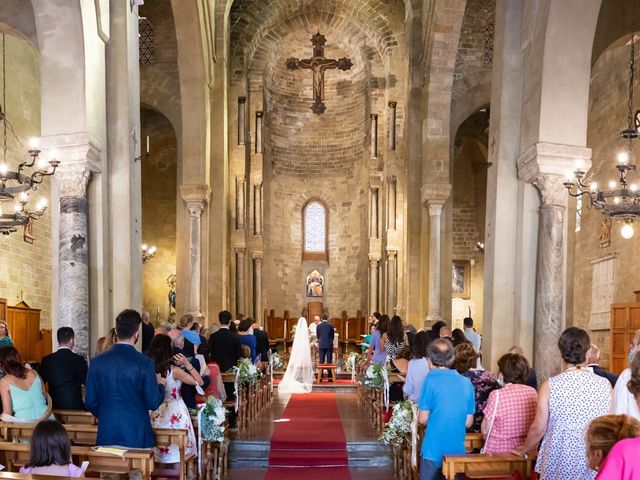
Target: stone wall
x,y
607,117
23,267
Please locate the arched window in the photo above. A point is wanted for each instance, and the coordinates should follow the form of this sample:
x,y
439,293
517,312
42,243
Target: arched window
x,y
315,231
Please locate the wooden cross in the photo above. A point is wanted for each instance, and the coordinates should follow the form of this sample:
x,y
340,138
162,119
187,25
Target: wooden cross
x,y
318,64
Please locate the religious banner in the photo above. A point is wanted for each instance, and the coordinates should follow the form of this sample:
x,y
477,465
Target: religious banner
x,y
315,284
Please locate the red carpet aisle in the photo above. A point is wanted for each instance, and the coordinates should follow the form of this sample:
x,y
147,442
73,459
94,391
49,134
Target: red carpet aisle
x,y
311,445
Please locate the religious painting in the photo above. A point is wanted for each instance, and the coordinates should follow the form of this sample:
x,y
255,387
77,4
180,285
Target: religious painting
x,y
461,279
605,232
315,284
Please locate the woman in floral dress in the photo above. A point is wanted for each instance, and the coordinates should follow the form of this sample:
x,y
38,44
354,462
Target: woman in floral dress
x,y
173,413
484,382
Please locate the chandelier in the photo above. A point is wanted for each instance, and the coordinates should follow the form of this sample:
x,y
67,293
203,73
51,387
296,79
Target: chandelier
x,y
16,185
621,199
148,253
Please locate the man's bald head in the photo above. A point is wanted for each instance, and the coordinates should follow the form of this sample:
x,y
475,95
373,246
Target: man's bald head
x,y
316,319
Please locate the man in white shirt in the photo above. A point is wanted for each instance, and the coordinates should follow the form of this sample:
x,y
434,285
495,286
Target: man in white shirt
x,y
474,337
313,327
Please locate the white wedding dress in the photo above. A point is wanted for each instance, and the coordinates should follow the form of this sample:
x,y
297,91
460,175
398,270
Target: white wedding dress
x,y
298,377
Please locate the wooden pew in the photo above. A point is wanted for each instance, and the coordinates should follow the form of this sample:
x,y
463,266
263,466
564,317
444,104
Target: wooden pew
x,y
26,476
486,466
17,455
473,441
86,435
75,417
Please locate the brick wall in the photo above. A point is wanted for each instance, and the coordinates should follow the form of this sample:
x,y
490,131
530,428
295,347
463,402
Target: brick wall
x,y
22,266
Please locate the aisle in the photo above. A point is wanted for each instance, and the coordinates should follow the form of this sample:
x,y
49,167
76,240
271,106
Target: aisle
x,y
310,443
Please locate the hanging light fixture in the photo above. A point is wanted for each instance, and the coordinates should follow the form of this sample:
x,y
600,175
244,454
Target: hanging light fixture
x,y
148,252
16,185
620,199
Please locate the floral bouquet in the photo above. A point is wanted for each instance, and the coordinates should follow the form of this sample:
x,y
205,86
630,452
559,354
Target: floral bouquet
x,y
374,376
352,362
276,362
246,372
398,430
212,420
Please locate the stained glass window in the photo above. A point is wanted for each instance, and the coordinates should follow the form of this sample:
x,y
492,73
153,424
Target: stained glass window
x,y
315,228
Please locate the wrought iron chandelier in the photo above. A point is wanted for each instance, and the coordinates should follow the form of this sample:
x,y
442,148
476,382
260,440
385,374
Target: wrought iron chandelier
x,y
16,185
621,201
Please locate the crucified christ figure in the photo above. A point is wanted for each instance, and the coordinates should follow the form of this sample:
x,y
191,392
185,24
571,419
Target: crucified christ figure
x,y
318,64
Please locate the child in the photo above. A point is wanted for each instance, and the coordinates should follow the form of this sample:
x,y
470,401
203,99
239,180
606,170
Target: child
x,y
51,452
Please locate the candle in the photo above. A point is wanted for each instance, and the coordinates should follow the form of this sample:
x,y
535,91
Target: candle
x,y
147,143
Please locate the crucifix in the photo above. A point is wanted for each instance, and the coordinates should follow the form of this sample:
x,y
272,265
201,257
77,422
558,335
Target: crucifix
x,y
318,64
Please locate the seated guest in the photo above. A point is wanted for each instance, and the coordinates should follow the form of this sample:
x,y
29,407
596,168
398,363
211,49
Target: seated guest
x,y
446,420
434,333
160,330
458,337
105,343
188,390
216,387
191,338
22,391
510,410
567,404
532,379
50,452
5,338
225,349
395,339
246,351
203,348
65,372
445,332
122,387
262,342
399,365
483,381
593,360
622,463
418,367
247,337
173,412
626,394
604,432
376,348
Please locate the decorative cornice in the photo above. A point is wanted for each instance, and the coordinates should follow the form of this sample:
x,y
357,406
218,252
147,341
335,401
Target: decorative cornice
x,y
551,159
75,151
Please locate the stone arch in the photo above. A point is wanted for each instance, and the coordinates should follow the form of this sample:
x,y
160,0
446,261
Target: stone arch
x,y
475,95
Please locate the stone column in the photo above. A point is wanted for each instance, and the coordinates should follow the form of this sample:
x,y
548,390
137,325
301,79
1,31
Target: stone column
x,y
196,198
257,287
391,203
435,211
373,284
257,209
373,218
73,270
374,135
240,280
240,203
242,127
258,148
544,166
392,125
391,281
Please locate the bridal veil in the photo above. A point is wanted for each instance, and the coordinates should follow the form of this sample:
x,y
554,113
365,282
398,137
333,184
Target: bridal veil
x,y
298,377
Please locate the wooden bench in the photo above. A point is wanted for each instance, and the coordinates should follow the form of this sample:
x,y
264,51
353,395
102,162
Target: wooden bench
x,y
473,441
326,366
16,455
86,435
27,476
75,417
486,466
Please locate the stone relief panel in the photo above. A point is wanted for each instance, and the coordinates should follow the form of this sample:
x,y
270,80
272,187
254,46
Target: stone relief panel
x,y
602,290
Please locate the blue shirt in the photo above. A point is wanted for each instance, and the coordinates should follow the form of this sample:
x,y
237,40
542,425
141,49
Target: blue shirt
x,y
449,398
251,342
379,357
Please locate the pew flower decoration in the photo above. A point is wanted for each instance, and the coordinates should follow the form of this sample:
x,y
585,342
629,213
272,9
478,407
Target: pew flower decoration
x,y
374,376
276,362
213,417
398,430
246,372
352,362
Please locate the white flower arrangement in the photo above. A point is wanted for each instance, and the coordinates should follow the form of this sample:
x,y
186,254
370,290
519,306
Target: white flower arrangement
x,y
398,430
352,362
212,420
374,376
246,372
276,362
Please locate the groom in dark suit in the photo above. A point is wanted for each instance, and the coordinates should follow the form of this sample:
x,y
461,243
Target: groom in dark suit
x,y
122,387
325,334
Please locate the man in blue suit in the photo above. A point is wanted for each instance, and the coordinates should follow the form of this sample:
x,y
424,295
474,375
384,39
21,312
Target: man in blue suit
x,y
122,387
325,334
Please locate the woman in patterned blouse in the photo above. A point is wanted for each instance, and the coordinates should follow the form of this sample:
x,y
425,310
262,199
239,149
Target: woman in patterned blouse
x,y
510,410
484,382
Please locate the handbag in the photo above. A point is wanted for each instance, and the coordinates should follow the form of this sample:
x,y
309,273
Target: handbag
x,y
495,409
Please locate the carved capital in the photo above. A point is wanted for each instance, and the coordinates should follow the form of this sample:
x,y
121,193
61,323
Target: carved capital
x,y
258,257
373,261
373,116
393,104
239,251
436,193
196,197
73,180
259,114
76,152
552,190
551,159
242,99
391,255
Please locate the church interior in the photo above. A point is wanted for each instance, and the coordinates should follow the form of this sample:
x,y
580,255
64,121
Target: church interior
x,y
431,160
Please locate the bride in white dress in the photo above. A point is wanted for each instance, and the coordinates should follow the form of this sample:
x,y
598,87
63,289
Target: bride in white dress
x,y
298,377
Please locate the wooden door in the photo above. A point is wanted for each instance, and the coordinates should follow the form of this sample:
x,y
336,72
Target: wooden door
x,y
3,309
24,329
625,320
